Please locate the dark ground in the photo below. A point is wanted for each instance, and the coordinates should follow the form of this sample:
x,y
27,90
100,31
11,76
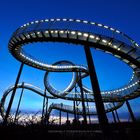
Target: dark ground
x,y
120,131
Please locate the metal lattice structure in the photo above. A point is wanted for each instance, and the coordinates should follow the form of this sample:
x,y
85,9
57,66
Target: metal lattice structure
x,y
85,33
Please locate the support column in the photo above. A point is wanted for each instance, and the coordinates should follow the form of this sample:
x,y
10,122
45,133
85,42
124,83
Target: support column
x,y
13,94
116,113
117,116
43,107
75,118
46,111
130,111
82,96
67,121
60,115
113,114
19,102
96,90
67,116
88,111
74,106
77,115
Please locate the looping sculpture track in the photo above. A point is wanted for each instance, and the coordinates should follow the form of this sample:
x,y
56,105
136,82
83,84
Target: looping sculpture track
x,y
85,33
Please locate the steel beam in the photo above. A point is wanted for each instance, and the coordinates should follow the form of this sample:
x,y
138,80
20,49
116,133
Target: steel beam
x,y
103,121
113,114
130,111
13,95
19,102
82,96
43,107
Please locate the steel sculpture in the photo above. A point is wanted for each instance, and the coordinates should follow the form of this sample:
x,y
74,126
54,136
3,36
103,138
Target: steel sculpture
x,y
86,33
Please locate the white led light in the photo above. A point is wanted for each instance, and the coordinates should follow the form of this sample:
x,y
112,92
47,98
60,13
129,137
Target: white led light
x,y
125,60
78,20
32,22
61,32
79,33
114,46
136,44
109,43
16,49
92,36
46,20
46,32
58,19
85,35
28,36
73,32
106,27
117,31
97,38
117,56
56,31
24,25
85,21
32,34
131,86
41,20
70,19
51,19
36,21
38,33
112,29
27,24
100,25
93,23
105,41
133,66
64,19
118,49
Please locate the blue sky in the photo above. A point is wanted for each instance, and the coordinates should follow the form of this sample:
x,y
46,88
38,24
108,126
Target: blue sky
x,y
123,15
